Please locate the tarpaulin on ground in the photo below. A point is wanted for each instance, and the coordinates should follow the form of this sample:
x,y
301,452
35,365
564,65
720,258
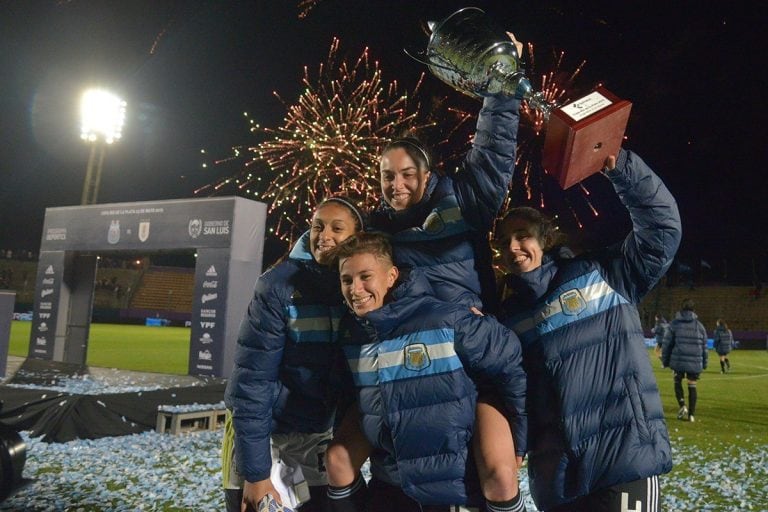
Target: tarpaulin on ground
x,y
61,417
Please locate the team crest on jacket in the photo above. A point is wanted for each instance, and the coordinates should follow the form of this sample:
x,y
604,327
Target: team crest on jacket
x,y
416,357
572,302
434,223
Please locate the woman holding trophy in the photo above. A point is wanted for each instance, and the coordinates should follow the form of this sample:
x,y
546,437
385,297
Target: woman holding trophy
x,y
597,438
438,225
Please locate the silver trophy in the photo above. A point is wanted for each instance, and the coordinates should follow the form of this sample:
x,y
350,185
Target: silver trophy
x,y
471,54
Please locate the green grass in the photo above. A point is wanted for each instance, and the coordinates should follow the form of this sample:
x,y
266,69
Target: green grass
x,y
728,405
128,347
731,415
731,421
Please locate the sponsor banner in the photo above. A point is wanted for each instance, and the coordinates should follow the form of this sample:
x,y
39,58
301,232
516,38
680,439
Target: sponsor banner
x,y
209,312
148,225
50,272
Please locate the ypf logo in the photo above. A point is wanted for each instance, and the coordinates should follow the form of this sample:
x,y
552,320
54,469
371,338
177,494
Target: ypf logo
x,y
195,227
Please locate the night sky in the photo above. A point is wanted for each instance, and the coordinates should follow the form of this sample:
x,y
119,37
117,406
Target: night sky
x,y
189,69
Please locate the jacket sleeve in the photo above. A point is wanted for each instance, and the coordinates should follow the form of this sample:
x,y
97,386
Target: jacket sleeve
x,y
492,356
482,182
253,386
648,250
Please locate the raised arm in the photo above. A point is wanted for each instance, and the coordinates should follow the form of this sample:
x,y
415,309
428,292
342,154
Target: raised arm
x,y
650,247
482,182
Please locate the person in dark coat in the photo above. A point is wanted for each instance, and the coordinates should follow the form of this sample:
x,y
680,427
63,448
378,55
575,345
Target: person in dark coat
x,y
439,223
685,352
658,331
281,394
723,344
417,363
597,439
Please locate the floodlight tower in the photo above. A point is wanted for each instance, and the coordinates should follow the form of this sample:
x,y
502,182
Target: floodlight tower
x,y
102,115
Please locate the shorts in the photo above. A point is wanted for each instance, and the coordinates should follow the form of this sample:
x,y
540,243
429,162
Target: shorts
x,y
637,496
306,450
689,375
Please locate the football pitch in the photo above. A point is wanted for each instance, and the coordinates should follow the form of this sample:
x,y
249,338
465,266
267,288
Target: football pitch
x,y
127,347
719,461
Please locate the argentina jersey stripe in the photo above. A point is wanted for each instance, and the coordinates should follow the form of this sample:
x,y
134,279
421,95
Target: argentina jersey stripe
x,y
313,324
580,298
417,354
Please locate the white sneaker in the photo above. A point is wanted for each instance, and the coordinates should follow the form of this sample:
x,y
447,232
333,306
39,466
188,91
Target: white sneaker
x,y
690,418
682,414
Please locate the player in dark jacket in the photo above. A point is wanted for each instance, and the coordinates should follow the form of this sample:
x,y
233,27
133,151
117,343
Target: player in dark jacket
x,y
723,344
685,352
440,223
281,391
658,331
417,362
596,434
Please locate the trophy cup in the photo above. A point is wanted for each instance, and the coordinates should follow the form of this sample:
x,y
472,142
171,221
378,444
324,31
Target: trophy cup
x,y
470,53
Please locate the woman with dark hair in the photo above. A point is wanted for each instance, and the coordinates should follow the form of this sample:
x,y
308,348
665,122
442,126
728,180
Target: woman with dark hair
x,y
597,439
439,224
281,394
685,352
723,344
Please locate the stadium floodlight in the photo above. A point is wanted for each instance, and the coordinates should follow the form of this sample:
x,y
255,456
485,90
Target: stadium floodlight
x,y
102,117
102,114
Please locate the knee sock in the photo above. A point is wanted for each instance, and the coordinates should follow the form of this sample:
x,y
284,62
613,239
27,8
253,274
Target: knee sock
x,y
679,393
727,363
352,498
516,504
722,366
691,398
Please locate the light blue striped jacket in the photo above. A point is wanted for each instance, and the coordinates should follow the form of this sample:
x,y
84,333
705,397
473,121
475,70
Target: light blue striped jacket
x,y
286,349
446,233
417,363
594,411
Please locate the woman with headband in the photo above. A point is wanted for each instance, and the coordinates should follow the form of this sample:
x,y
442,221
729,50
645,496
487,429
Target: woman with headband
x,y
440,224
281,395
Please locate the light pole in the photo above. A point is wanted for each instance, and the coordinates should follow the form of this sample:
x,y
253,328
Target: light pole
x,y
102,115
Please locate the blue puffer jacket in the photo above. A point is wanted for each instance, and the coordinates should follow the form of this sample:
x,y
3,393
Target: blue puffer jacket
x,y
287,345
414,361
723,340
594,411
685,344
446,233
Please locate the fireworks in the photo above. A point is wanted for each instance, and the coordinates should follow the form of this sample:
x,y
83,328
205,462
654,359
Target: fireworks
x,y
305,6
531,185
332,135
329,142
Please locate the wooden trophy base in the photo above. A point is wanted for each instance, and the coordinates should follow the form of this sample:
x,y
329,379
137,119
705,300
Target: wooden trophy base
x,y
581,134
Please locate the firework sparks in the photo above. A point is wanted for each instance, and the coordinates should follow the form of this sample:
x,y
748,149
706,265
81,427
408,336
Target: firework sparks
x,y
329,142
305,6
558,87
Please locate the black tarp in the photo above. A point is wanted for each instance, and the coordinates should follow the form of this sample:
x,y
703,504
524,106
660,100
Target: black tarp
x,y
61,417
